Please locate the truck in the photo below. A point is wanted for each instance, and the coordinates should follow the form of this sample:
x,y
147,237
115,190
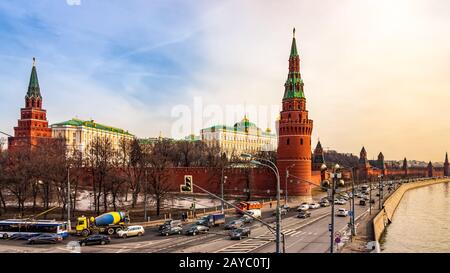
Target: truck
x,y
108,223
212,220
250,205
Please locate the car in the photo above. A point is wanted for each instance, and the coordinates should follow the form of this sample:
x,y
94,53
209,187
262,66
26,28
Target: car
x,y
314,206
22,236
350,195
170,223
285,207
325,203
304,214
238,233
197,229
131,231
362,202
366,197
246,219
303,206
340,201
344,195
45,239
234,224
342,212
372,201
172,230
378,194
282,212
96,239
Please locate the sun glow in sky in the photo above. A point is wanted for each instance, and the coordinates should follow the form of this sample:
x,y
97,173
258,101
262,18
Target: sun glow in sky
x,y
376,73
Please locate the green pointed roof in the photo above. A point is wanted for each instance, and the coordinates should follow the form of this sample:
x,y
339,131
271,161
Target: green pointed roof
x,y
294,46
33,86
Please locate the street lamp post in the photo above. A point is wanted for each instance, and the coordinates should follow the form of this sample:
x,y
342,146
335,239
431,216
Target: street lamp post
x,y
335,176
68,198
287,175
224,178
353,202
274,168
380,186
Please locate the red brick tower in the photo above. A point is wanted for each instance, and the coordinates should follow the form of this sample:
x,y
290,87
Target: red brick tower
x,y
363,166
446,165
295,128
430,169
32,126
405,167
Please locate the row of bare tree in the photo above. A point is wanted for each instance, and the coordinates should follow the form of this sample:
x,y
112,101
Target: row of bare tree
x,y
40,174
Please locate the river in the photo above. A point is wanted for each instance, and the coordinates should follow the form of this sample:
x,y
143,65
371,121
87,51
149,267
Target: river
x,y
421,222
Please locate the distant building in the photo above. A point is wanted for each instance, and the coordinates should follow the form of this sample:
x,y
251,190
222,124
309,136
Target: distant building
x,y
193,137
242,137
79,133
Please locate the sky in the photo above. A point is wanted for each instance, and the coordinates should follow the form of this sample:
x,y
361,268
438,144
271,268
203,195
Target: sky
x,y
376,73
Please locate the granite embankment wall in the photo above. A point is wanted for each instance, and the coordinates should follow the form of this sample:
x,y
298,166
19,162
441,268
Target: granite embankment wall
x,y
384,217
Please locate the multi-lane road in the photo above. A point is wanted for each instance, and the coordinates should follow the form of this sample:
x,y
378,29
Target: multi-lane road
x,y
302,235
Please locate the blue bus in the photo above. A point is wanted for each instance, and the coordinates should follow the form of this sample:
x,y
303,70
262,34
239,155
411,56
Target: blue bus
x,y
22,228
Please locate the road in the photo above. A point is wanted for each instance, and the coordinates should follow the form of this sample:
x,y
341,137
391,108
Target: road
x,y
302,235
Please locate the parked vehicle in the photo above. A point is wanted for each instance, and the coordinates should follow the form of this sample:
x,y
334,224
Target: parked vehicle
x,y
171,230
238,233
304,214
342,212
131,231
97,239
234,224
303,207
325,203
170,223
197,229
110,223
212,220
45,239
314,206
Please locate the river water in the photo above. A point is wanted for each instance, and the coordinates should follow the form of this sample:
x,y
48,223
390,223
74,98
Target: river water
x,y
421,222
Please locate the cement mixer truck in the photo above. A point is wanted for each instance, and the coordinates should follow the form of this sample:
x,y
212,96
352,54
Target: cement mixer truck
x,y
108,223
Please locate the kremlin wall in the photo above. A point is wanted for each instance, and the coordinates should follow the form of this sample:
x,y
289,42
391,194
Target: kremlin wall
x,y
294,154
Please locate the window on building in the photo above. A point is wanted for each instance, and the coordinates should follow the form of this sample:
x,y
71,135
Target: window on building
x,y
288,141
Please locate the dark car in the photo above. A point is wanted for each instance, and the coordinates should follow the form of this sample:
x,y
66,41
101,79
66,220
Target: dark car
x,y
97,239
234,224
170,223
362,202
45,239
196,229
238,233
171,230
304,214
246,219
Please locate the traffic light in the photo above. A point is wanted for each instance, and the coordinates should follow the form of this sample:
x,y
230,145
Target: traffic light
x,y
187,187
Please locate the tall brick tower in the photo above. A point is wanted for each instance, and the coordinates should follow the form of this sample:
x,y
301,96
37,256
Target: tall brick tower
x,y
295,128
446,165
363,165
32,126
381,163
405,167
430,169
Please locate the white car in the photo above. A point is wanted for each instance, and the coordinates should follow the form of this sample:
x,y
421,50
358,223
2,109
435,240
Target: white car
x,y
303,207
131,231
342,212
340,202
314,206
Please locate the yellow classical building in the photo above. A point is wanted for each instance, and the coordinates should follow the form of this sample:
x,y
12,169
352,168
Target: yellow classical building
x,y
242,137
79,133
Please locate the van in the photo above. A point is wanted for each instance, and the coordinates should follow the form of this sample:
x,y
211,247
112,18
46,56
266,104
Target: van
x,y
255,212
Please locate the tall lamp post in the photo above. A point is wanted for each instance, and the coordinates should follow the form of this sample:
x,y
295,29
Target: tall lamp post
x,y
273,167
336,176
380,190
68,198
286,187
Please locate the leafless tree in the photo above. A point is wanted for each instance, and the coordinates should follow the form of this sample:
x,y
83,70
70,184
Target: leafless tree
x,y
130,152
